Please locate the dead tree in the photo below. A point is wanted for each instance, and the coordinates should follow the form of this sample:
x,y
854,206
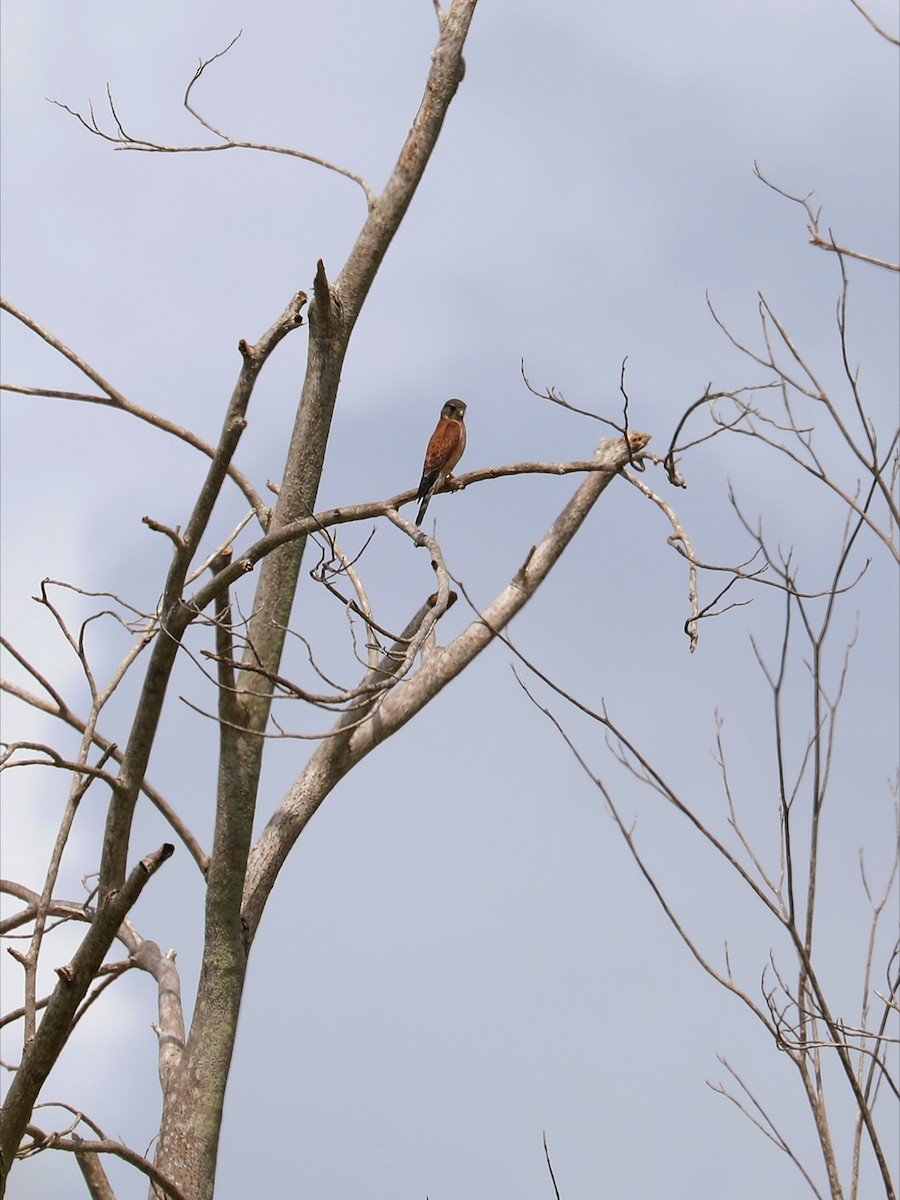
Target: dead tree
x,y
199,615
837,441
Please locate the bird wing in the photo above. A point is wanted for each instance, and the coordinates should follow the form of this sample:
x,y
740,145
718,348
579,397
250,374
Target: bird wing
x,y
443,453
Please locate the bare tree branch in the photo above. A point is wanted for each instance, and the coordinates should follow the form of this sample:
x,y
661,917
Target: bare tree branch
x,y
336,756
550,1167
763,1121
813,217
125,141
74,980
83,1147
113,398
888,37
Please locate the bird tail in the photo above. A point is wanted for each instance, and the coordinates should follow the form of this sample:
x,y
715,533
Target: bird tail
x,y
423,506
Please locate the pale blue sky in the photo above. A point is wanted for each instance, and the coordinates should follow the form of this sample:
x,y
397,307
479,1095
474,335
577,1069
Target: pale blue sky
x,y
458,957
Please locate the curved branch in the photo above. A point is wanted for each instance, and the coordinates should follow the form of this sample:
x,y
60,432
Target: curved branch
x,y
888,37
65,714
336,756
260,550
813,216
73,981
125,141
113,398
102,1145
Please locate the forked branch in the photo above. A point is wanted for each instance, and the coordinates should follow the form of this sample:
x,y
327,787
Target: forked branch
x,y
122,140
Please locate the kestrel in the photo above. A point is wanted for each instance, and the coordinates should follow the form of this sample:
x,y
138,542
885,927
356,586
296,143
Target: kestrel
x,y
444,451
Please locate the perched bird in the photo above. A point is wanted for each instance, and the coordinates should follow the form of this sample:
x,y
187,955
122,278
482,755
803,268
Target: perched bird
x,y
444,451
